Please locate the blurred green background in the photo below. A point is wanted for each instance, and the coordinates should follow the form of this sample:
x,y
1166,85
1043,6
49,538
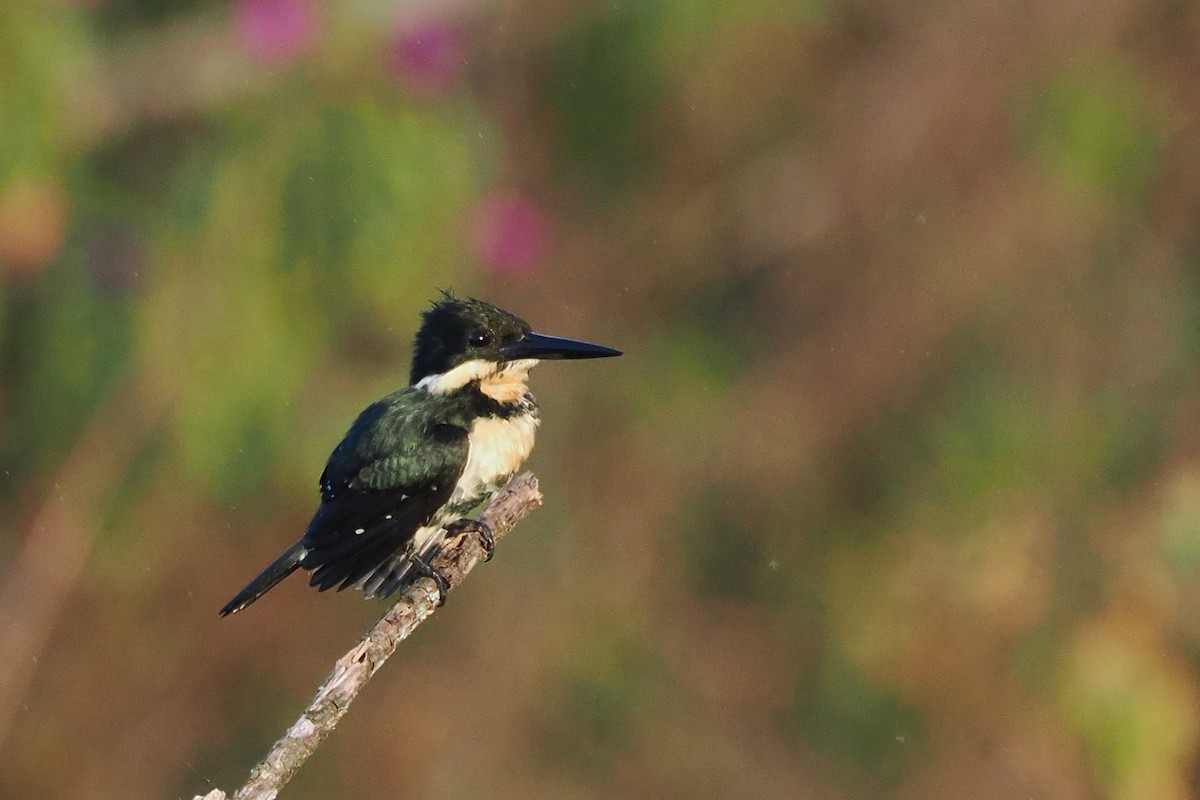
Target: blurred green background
x,y
896,493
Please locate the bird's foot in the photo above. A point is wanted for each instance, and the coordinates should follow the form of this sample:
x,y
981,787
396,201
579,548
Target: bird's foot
x,y
424,568
487,539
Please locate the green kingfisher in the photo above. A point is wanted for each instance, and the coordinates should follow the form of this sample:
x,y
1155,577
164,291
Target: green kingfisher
x,y
415,463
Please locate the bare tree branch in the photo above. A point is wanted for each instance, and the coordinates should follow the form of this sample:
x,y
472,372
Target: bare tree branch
x,y
353,670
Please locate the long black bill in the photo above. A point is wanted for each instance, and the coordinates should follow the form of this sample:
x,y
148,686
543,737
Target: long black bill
x,y
537,345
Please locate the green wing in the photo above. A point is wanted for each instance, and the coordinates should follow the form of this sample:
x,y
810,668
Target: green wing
x,y
397,465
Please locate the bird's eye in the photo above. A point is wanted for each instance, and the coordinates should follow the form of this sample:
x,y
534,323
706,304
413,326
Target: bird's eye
x,y
479,339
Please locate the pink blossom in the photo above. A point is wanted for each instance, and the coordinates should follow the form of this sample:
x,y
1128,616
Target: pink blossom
x,y
511,234
276,31
427,59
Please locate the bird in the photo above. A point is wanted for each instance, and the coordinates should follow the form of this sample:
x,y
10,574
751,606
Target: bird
x,y
416,462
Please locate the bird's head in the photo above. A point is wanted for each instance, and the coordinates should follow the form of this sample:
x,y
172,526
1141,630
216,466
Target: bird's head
x,y
465,340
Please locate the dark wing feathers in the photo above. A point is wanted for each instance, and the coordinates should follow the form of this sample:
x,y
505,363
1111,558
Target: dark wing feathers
x,y
339,555
396,467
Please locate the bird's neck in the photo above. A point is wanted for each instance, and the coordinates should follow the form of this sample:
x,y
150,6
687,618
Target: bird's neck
x,y
478,389
485,388
497,379
502,421
509,385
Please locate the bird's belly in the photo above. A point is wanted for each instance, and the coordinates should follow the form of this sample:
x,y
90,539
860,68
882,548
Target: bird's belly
x,y
499,447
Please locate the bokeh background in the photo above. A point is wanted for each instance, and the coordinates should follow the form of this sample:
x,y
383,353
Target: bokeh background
x,y
896,493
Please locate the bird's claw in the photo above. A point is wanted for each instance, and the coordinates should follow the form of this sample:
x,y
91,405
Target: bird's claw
x,y
487,539
425,569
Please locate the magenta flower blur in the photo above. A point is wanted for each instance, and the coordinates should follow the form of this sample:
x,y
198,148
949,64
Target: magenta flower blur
x,y
427,59
511,234
275,31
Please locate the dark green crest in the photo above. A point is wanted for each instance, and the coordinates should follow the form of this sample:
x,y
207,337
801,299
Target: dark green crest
x,y
454,331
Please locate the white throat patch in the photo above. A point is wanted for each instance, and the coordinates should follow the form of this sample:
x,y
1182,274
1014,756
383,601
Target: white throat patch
x,y
504,382
454,379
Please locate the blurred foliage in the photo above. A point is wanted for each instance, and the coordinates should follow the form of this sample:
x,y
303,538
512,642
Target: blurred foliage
x,y
895,493
40,57
597,708
605,85
1098,127
860,726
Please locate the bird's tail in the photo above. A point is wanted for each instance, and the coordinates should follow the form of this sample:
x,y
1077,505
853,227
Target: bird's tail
x,y
280,568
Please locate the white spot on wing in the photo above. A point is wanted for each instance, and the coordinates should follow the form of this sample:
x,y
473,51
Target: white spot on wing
x,y
424,539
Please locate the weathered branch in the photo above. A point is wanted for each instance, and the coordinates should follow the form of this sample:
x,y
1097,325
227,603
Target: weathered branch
x,y
353,670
